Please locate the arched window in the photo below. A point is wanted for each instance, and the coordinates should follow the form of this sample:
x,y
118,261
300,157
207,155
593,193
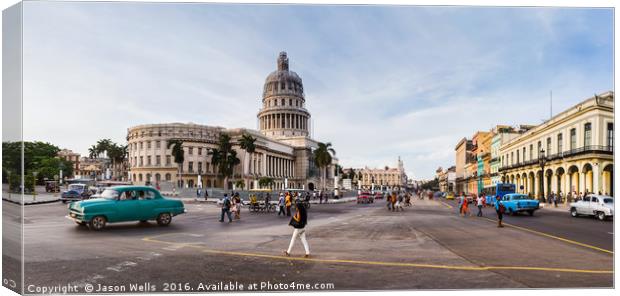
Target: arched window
x,y
140,177
157,177
168,177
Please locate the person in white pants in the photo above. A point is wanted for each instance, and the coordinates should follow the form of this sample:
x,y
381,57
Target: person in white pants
x,y
299,222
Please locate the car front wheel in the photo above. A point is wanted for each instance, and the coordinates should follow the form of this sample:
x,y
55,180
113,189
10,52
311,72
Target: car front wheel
x,y
531,212
573,212
164,219
97,223
600,216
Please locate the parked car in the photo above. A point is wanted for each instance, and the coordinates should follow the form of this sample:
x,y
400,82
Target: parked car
x,y
365,197
76,192
125,203
519,203
601,206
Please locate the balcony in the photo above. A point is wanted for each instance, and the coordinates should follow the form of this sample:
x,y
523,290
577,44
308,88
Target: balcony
x,y
558,156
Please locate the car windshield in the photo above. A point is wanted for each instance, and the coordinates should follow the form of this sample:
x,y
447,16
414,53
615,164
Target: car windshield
x,y
109,194
518,197
76,186
608,200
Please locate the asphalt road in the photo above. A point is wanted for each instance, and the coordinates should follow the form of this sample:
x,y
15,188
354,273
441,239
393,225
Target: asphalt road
x,y
557,222
354,247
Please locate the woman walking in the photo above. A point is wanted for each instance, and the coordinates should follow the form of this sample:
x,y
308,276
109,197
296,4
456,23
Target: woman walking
x,y
299,222
464,210
499,209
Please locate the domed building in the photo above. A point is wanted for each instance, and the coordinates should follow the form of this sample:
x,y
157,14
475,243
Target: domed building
x,y
283,152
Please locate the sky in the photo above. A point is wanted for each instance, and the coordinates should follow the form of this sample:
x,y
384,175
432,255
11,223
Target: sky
x,y
380,81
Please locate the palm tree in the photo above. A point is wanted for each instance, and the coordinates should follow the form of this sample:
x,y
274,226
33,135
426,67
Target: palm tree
x,y
323,158
247,143
179,156
92,151
231,161
216,160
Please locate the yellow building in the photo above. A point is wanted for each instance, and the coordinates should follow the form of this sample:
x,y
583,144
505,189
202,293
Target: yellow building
x,y
574,149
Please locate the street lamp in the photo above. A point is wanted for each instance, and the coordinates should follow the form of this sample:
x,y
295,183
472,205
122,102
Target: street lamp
x,y
34,185
542,160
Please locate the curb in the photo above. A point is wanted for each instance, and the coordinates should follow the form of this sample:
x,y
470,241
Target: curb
x,y
31,203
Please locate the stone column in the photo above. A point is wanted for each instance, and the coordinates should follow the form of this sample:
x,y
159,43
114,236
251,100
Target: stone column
x,y
582,182
596,179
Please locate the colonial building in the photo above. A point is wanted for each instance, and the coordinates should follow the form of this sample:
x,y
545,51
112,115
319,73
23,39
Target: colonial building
x,y
71,156
447,179
464,158
502,134
284,149
387,178
571,152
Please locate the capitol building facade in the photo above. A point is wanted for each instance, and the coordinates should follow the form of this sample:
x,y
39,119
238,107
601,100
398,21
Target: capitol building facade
x,y
284,149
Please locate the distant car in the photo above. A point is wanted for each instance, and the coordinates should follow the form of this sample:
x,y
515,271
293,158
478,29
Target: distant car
x,y
378,195
450,195
125,203
601,206
52,186
76,192
365,197
519,203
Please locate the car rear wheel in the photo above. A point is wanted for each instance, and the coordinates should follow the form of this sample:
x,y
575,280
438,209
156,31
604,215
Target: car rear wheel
x,y
531,212
97,223
573,212
164,219
600,216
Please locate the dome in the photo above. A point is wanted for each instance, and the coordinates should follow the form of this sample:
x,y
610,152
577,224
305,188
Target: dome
x,y
283,113
283,81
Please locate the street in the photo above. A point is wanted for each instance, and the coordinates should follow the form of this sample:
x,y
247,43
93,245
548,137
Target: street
x,y
354,247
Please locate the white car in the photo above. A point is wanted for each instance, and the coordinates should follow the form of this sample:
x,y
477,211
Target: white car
x,y
601,206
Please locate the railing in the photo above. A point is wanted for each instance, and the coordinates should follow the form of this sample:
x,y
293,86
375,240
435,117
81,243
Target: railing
x,y
561,155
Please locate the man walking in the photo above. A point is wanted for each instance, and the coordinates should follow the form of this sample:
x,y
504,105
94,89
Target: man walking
x,y
299,222
288,202
499,209
226,209
479,203
281,205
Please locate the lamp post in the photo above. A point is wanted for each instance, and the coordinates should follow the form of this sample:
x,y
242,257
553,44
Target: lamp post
x,y
542,160
34,185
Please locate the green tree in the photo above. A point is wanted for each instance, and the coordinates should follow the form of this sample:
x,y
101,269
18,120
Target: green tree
x,y
224,158
179,156
247,144
265,182
323,158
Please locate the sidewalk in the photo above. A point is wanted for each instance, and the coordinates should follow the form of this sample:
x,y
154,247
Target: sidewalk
x,y
30,199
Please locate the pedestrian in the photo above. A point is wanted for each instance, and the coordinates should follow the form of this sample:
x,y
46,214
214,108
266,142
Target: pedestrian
x,y
226,204
480,204
206,194
399,202
281,204
460,199
237,206
267,202
326,196
393,201
465,210
198,193
555,199
388,200
299,222
320,198
288,202
499,209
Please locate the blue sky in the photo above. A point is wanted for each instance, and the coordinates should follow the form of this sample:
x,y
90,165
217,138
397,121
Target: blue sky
x,y
380,81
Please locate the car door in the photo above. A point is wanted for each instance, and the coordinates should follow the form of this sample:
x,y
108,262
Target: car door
x,y
148,205
128,207
583,205
593,205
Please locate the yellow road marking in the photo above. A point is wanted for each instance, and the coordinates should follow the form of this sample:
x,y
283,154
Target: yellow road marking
x,y
379,263
553,236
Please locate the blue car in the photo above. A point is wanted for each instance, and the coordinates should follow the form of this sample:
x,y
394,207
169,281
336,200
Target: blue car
x,y
519,203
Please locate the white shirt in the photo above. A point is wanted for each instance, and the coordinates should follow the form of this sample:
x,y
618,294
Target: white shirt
x,y
479,200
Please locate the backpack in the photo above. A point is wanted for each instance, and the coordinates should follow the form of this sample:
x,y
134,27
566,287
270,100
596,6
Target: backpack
x,y
227,203
502,208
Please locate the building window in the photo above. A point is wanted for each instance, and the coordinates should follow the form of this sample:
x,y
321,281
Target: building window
x,y
148,160
512,155
282,84
517,156
290,102
157,144
199,150
168,160
141,160
282,102
141,146
549,146
587,134
190,167
573,138
148,145
158,160
539,148
560,143
523,154
610,134
191,150
200,167
157,178
168,177
531,151
140,177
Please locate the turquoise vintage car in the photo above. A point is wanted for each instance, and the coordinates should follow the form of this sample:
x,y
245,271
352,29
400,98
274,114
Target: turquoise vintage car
x,y
518,203
125,203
